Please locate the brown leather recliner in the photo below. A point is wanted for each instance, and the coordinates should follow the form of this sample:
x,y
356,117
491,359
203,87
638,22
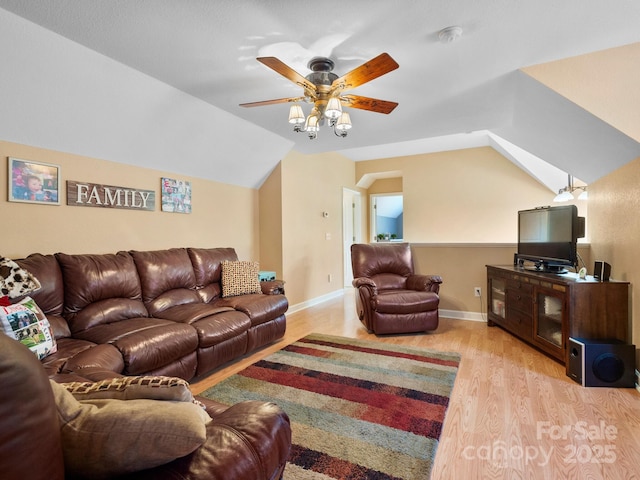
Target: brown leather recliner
x,y
390,297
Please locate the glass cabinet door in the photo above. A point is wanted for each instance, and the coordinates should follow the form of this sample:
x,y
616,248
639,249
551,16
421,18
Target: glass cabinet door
x,y
549,318
498,287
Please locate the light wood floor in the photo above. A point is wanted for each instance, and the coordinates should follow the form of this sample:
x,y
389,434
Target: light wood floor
x,y
513,414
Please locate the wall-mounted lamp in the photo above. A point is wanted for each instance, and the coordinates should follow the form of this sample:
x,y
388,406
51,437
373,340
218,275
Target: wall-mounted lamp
x,y
566,194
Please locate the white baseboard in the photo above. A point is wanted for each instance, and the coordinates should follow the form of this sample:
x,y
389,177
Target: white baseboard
x,y
315,301
455,314
460,315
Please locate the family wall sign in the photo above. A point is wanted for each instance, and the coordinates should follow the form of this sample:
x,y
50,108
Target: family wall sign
x,y
108,196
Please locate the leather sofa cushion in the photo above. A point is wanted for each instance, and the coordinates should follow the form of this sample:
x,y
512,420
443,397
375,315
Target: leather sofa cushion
x,y
219,328
50,296
192,312
146,344
67,348
207,263
259,307
100,289
166,278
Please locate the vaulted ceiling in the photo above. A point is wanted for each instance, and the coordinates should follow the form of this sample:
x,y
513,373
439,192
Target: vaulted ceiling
x,y
549,84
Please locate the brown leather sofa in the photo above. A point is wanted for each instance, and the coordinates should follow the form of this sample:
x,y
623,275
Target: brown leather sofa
x,y
390,296
151,312
248,440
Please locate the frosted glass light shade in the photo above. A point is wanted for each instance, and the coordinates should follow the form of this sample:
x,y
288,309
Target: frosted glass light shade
x,y
563,196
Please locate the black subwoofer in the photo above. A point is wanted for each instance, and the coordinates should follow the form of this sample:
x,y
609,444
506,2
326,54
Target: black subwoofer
x,y
602,363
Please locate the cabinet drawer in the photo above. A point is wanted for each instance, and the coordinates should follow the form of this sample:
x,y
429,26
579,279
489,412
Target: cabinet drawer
x,y
521,324
521,300
520,286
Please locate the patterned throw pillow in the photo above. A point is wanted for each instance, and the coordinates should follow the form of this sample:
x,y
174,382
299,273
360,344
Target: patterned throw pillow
x,y
15,281
27,323
240,278
131,388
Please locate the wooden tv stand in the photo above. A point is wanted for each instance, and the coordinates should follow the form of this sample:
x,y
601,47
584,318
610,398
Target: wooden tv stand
x,y
545,309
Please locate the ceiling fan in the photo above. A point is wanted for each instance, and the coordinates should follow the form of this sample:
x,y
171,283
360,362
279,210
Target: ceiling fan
x,y
324,89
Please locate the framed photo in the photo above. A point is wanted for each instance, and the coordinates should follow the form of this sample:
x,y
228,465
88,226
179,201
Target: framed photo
x,y
33,182
176,195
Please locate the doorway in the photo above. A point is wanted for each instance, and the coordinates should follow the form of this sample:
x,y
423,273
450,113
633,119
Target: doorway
x,y
351,229
387,215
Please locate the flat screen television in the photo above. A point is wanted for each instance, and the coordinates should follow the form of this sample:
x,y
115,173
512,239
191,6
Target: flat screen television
x,y
548,237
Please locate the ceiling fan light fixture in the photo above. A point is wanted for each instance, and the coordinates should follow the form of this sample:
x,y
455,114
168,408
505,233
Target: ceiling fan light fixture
x,y
324,90
311,125
296,115
333,109
344,122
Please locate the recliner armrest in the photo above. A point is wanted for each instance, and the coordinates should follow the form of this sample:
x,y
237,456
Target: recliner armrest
x,y
364,282
427,283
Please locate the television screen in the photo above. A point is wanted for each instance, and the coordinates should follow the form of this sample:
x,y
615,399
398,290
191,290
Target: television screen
x,y
547,236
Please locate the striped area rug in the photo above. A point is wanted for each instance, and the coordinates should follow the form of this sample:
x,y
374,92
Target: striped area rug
x,y
359,409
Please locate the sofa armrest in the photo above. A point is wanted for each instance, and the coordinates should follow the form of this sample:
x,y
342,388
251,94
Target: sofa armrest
x,y
272,287
427,283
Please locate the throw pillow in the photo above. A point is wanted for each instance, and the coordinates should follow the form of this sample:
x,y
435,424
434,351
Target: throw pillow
x,y
27,323
15,281
104,438
132,388
240,278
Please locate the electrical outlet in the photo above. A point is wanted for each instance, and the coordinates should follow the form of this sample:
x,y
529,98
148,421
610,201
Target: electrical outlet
x,y
477,291
329,278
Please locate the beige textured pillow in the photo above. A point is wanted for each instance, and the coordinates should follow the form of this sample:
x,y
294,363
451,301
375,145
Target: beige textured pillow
x,y
131,388
240,278
103,438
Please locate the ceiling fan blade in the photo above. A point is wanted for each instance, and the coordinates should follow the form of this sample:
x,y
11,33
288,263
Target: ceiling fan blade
x,y
272,102
286,71
366,103
366,72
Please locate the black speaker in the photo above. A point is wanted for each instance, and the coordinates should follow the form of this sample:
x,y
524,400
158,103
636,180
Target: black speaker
x,y
602,271
602,363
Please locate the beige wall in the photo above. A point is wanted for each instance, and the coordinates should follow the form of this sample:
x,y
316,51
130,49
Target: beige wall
x,y
614,224
463,267
282,225
270,220
462,196
223,215
312,184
